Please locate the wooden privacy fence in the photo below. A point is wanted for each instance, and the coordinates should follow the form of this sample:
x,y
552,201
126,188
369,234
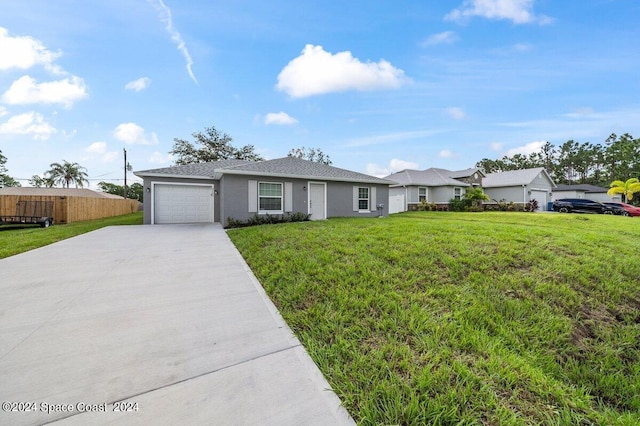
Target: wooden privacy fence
x,y
73,209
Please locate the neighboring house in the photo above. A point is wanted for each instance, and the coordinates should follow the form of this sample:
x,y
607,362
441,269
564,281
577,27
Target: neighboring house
x,y
238,189
590,192
520,186
432,185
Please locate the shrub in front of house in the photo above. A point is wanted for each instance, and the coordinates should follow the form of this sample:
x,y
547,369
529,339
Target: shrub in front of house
x,y
461,205
424,206
531,206
268,219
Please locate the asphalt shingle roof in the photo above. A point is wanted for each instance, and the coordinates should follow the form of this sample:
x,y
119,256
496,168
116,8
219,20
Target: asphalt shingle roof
x,y
511,178
428,177
283,167
581,187
457,174
195,169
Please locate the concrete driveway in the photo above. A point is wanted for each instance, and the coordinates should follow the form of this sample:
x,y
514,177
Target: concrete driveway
x,y
150,325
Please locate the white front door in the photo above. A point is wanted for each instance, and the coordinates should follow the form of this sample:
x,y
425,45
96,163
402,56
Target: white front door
x,y
317,201
396,203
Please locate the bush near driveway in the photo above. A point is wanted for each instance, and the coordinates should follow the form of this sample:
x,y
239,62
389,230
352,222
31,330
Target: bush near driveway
x,y
463,318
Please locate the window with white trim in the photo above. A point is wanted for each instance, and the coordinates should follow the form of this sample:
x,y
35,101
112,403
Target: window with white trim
x,y
422,194
363,199
457,193
270,197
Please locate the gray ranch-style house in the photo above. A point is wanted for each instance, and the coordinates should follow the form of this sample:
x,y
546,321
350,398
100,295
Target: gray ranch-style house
x,y
520,186
432,185
238,189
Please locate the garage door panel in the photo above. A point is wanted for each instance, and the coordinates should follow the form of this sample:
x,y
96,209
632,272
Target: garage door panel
x,y
183,203
541,198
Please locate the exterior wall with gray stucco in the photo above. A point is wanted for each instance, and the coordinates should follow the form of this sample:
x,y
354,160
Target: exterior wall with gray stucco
x,y
234,197
412,194
541,182
148,196
507,193
234,194
443,194
340,199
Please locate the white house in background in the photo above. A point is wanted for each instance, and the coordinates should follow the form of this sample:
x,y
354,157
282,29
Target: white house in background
x,y
520,186
589,192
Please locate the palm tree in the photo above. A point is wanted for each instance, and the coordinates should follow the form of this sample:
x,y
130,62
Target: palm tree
x,y
627,189
476,196
66,173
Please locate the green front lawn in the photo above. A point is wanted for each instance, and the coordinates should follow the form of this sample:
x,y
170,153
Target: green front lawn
x,y
464,318
16,239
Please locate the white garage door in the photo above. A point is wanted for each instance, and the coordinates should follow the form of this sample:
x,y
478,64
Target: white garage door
x,y
541,198
182,203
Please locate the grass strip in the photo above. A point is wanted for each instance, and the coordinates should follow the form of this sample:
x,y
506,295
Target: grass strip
x,y
16,239
463,318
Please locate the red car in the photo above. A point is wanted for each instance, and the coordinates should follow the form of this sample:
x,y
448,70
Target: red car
x,y
625,209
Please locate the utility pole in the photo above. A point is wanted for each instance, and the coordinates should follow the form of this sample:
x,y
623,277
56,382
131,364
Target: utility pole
x,y
125,173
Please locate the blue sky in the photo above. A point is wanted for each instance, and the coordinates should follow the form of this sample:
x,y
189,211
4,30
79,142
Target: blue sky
x,y
379,86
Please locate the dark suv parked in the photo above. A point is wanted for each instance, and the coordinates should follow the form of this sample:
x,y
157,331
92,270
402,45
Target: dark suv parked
x,y
580,205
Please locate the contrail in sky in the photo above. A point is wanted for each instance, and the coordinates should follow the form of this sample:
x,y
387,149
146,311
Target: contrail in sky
x,y
165,17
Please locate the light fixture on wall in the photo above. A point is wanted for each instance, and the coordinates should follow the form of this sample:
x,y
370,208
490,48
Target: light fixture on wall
x,y
148,189
304,188
215,191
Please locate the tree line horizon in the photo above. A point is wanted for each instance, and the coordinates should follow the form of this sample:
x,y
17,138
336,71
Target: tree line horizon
x,y
572,162
617,159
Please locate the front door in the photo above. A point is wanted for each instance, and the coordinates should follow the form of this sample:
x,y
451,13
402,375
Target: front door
x,y
317,202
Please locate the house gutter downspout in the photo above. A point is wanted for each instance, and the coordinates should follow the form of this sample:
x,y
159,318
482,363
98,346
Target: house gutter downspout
x,y
406,198
524,194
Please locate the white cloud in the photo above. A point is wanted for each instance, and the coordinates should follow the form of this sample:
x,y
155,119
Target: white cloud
x,y
30,123
445,37
97,148
496,146
100,148
455,112
158,158
578,113
131,133
139,84
24,52
391,137
3,111
527,149
514,48
167,20
26,90
280,118
109,157
517,11
446,153
395,165
317,72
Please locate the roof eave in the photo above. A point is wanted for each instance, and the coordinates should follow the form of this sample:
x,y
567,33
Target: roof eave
x,y
171,175
308,177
